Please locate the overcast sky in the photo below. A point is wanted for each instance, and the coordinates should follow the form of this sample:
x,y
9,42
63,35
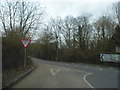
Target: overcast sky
x,y
75,8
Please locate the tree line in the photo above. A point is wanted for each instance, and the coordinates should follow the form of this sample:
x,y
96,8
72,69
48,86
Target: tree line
x,y
79,39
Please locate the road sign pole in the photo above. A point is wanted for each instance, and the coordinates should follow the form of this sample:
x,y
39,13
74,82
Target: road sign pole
x,y
25,43
25,59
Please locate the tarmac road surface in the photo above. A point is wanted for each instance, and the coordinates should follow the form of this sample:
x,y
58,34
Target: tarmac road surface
x,y
50,74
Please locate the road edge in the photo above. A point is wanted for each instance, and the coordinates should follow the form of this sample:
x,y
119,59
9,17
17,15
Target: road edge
x,y
18,78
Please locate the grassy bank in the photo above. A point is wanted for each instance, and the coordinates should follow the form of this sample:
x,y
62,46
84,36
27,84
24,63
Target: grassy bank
x,y
12,74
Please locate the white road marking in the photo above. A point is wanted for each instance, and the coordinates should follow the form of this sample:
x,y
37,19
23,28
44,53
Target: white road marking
x,y
86,80
75,65
100,69
54,71
85,67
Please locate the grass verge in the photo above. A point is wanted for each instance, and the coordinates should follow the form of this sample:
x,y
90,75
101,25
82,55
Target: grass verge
x,y
12,74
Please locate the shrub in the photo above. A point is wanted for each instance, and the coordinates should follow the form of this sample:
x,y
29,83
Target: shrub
x,y
12,52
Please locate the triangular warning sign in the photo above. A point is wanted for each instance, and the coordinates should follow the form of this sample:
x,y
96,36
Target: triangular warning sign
x,y
25,42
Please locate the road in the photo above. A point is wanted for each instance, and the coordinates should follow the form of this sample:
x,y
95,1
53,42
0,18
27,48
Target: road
x,y
50,74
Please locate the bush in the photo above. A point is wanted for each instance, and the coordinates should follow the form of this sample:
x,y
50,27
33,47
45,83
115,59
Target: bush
x,y
12,52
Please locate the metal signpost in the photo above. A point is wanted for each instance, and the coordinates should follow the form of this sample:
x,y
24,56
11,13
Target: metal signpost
x,y
25,43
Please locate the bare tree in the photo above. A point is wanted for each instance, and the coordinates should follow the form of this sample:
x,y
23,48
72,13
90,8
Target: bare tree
x,y
116,11
104,27
56,27
68,26
25,15
83,29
